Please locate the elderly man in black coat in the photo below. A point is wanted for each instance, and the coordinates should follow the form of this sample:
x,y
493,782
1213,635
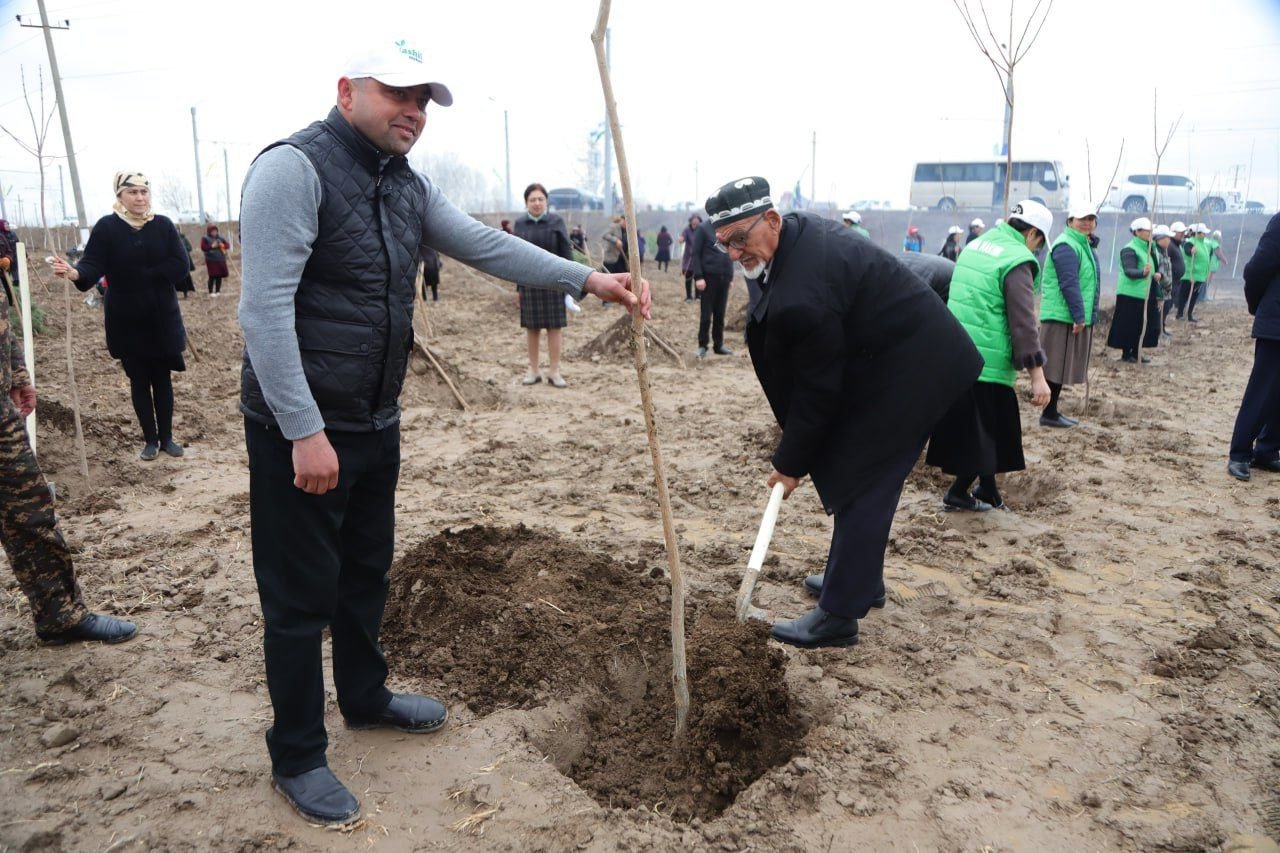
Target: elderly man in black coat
x,y
858,358
1255,443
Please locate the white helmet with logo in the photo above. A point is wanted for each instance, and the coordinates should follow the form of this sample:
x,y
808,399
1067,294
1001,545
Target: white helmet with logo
x,y
1033,213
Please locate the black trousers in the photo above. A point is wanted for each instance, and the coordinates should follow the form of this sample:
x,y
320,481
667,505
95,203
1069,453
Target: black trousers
x,y
855,563
151,390
711,317
215,283
321,561
1257,431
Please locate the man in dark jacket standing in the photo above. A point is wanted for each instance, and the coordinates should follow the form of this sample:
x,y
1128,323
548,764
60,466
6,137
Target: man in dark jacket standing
x,y
712,272
331,222
1177,272
858,358
1255,443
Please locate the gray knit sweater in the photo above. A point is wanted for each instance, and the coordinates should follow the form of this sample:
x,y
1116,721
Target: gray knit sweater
x,y
278,224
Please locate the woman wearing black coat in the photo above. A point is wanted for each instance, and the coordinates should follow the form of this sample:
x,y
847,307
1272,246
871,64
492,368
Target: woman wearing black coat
x,y
542,309
141,254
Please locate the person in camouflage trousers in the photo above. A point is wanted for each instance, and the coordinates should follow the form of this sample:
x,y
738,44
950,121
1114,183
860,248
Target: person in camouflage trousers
x,y
28,528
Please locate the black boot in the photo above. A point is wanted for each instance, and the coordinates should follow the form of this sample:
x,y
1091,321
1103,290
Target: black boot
x,y
318,796
817,629
95,627
813,586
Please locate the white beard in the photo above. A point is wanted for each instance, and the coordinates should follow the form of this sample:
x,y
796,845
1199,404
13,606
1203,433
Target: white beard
x,y
750,272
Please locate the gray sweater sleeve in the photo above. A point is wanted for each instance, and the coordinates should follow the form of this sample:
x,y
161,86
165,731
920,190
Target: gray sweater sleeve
x,y
491,250
279,220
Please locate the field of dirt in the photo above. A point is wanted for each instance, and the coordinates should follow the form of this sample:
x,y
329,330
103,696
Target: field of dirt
x,y
1094,669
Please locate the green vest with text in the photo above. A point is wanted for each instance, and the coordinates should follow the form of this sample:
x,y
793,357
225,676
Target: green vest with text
x,y
1053,305
977,297
1200,261
1136,287
1213,246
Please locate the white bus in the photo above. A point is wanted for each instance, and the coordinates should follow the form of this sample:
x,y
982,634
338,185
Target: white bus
x,y
980,184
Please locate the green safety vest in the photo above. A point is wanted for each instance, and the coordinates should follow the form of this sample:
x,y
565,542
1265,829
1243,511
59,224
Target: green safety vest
x,y
1200,262
1137,287
1053,305
1213,246
864,232
977,297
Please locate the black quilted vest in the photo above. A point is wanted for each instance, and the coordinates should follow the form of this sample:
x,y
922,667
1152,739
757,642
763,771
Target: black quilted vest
x,y
354,305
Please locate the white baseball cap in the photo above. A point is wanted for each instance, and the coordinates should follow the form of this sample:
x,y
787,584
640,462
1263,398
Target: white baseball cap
x,y
1161,231
978,222
1082,208
395,62
1033,213
1140,224
1200,228
955,229
853,216
1178,226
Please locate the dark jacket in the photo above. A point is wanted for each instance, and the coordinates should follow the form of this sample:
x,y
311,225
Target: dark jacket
x,y
354,306
1177,260
706,261
548,233
856,355
140,311
933,270
1262,283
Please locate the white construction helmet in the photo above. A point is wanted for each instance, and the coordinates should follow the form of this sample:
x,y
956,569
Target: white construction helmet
x,y
1140,224
853,216
1178,226
977,223
1161,231
1033,213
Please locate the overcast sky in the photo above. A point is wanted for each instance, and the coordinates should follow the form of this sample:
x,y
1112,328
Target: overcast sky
x,y
707,91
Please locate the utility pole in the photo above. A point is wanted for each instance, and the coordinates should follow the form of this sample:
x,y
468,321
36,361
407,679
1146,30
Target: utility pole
x,y
506,136
195,141
4,214
608,134
62,112
813,171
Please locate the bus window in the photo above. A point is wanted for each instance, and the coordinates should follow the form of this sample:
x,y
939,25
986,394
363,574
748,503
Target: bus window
x,y
979,172
929,172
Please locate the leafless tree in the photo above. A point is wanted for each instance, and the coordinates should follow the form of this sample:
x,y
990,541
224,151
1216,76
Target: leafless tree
x,y
172,193
465,186
40,121
1004,57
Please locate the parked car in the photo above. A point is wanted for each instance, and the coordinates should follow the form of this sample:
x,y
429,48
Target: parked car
x,y
568,198
1177,192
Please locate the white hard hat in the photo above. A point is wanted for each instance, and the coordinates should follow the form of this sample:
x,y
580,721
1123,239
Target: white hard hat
x,y
978,222
1082,208
1161,231
853,216
1217,233
1178,226
955,229
1140,224
1033,213
1200,228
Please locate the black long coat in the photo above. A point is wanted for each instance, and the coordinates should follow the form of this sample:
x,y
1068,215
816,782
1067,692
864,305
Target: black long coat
x,y
858,357
1262,283
142,267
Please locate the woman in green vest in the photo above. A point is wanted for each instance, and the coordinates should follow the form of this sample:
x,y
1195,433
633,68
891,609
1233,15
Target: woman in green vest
x,y
1216,258
1198,266
1137,284
1068,308
992,295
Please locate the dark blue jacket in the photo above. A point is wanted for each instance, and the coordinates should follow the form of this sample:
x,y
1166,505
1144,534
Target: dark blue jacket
x,y
708,261
1262,283
354,306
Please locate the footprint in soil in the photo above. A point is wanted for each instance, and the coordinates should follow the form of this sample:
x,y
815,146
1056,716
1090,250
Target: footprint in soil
x,y
501,617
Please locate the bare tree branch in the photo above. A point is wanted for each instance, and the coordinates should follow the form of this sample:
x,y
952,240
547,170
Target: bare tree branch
x,y
1036,37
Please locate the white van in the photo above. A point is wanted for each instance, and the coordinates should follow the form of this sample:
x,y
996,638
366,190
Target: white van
x,y
980,184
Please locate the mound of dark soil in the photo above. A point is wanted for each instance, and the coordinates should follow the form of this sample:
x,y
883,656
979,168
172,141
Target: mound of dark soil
x,y
503,617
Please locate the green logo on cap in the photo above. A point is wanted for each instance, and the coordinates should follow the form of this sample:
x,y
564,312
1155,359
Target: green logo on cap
x,y
415,55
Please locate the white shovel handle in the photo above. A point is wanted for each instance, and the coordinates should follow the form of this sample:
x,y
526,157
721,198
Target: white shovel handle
x,y
765,536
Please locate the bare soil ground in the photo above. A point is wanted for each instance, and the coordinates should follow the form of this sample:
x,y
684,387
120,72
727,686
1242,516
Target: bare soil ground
x,y
1094,669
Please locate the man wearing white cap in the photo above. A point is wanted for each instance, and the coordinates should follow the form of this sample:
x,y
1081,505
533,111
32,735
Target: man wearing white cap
x,y
853,219
1177,276
332,220
1136,286
976,227
1068,307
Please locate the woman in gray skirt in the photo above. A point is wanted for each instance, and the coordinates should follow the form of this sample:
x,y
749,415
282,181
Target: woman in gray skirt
x,y
539,308
1068,308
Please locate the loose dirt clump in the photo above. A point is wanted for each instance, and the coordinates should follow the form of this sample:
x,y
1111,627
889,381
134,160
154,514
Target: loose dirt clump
x,y
512,617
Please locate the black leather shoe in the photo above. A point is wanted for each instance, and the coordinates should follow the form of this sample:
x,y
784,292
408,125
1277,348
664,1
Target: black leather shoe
x,y
171,447
817,629
813,586
994,503
967,503
94,628
407,712
722,351
1272,465
1239,470
702,352
1057,421
318,796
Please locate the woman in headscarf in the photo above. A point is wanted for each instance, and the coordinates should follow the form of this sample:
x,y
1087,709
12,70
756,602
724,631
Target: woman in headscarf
x,y
992,295
542,309
142,256
663,258
215,249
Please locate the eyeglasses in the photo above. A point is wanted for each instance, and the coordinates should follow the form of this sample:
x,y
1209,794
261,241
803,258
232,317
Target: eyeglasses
x,y
739,238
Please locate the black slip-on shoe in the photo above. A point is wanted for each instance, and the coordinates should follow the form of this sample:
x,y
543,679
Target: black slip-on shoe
x,y
1272,465
1057,421
997,503
967,503
407,712
817,629
722,350
1239,470
318,796
813,586
93,628
172,447
702,352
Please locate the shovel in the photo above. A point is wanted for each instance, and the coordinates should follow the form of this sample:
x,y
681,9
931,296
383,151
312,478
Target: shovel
x,y
754,564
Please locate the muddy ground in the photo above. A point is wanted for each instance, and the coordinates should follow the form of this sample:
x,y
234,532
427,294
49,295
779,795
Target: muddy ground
x,y
1094,669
